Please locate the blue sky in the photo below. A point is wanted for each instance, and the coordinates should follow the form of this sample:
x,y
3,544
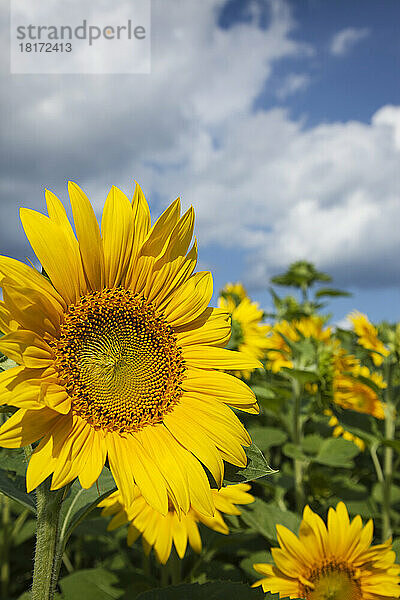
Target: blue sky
x,y
278,120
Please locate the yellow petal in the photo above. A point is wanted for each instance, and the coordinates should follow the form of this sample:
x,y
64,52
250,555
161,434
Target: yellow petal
x,y
26,277
141,226
215,331
32,310
194,535
55,396
88,232
7,322
58,214
27,348
8,380
130,463
41,463
27,426
222,387
197,442
161,230
47,239
96,457
189,300
208,357
179,534
117,234
153,246
160,445
72,454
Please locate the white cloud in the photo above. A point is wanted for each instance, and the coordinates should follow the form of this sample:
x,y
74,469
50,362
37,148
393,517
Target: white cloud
x,y
259,181
344,40
293,83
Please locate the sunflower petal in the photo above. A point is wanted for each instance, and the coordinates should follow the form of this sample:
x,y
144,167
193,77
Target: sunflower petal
x,y
53,250
89,238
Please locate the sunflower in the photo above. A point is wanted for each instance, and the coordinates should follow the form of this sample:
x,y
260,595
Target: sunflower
x,y
235,290
117,355
340,370
248,332
336,562
351,392
340,431
161,531
279,353
368,337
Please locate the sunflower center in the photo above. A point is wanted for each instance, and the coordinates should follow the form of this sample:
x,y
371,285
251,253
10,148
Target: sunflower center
x,y
119,361
332,582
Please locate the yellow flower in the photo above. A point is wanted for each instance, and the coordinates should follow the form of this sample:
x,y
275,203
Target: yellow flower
x,y
161,531
235,289
340,431
279,353
336,562
349,392
118,354
247,327
368,337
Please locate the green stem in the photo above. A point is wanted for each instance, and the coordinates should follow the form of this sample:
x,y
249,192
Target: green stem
x,y
175,566
297,435
5,564
390,426
48,505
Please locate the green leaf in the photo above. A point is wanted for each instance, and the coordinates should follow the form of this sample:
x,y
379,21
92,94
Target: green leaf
x,y
80,502
311,443
292,451
216,590
359,424
257,467
331,292
266,437
264,518
395,444
12,478
337,452
396,549
262,556
90,584
263,392
6,363
302,375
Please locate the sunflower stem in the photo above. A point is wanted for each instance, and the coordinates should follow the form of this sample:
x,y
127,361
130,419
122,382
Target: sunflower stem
x,y
48,505
297,435
390,426
4,550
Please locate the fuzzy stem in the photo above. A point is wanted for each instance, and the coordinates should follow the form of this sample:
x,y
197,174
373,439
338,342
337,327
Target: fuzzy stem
x,y
48,505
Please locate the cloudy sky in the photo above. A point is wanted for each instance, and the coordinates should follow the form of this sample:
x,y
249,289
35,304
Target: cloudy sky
x,y
278,120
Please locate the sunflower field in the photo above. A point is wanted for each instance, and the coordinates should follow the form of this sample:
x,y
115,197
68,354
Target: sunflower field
x,y
153,447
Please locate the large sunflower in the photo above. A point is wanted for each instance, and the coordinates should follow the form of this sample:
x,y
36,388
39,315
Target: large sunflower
x,y
336,562
117,354
161,531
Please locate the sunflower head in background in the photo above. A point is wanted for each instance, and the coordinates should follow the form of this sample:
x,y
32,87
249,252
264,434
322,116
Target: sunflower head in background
x,y
248,331
368,338
160,532
119,355
331,562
